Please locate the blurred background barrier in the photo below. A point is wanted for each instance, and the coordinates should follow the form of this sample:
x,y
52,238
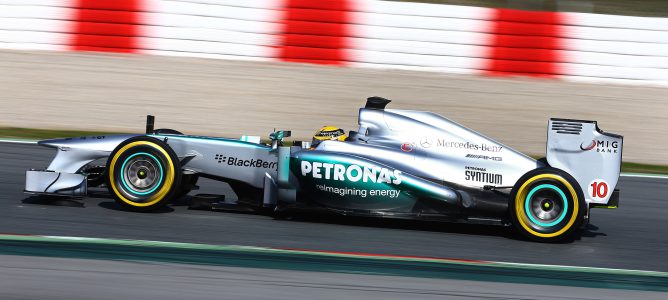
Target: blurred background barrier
x,y
357,33
381,45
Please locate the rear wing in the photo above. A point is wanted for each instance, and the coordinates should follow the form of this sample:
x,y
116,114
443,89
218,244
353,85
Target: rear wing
x,y
591,156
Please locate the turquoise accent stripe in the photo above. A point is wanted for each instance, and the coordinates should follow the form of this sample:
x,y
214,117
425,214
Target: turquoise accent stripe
x,y
540,187
283,167
333,262
128,188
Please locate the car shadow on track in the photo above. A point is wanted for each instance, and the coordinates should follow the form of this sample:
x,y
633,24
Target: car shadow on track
x,y
112,205
65,201
53,201
590,231
183,201
109,203
403,224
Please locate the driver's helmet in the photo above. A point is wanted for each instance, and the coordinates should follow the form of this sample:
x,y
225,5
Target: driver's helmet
x,y
328,133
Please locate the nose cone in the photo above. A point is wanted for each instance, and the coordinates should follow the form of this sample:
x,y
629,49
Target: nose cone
x,y
99,143
56,143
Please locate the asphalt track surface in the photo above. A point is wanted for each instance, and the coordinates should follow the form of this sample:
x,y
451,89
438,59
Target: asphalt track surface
x,y
44,278
631,237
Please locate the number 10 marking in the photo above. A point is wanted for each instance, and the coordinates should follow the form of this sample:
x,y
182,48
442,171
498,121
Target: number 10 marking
x,y
599,189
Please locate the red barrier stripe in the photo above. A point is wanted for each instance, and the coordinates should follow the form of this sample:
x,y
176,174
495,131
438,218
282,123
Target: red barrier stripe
x,y
548,30
105,43
103,29
525,43
315,28
311,53
521,41
107,26
120,5
315,31
523,16
522,68
317,15
107,16
343,5
330,62
524,54
314,41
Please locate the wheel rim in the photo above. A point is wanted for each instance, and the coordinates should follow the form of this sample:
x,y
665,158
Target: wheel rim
x,y
116,174
546,205
141,173
523,214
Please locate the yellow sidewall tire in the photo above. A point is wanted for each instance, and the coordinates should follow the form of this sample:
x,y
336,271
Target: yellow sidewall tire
x,y
519,197
168,161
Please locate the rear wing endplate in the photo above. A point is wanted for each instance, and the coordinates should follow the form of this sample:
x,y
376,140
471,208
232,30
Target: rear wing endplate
x,y
591,156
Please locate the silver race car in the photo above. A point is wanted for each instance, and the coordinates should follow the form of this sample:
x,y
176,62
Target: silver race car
x,y
399,164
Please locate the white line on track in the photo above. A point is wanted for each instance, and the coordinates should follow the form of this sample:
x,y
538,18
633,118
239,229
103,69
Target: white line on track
x,y
631,175
638,175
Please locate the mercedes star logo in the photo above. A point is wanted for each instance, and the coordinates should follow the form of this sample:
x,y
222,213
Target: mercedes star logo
x,y
426,142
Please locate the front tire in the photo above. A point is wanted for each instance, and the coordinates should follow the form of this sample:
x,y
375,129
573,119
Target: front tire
x,y
143,174
547,205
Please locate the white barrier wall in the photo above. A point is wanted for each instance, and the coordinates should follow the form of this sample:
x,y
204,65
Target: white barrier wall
x,y
212,29
355,33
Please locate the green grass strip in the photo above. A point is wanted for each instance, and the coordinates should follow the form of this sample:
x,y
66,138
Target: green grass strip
x,y
314,261
630,167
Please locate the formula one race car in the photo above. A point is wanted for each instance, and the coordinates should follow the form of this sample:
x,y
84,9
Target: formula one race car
x,y
399,164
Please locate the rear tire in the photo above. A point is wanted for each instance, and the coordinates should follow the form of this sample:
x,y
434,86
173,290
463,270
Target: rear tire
x,y
143,174
547,205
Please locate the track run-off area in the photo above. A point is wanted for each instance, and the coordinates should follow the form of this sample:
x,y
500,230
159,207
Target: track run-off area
x,y
622,251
